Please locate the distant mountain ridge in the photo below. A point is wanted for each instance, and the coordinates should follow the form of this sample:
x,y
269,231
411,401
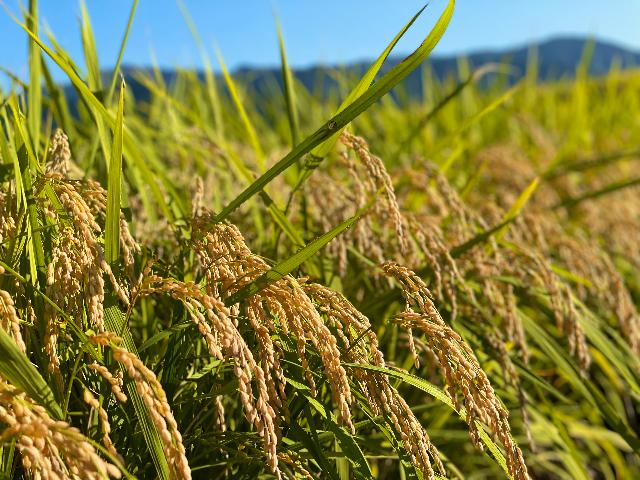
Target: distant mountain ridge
x,y
557,58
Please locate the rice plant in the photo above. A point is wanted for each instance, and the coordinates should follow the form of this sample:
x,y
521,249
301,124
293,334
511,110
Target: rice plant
x,y
215,283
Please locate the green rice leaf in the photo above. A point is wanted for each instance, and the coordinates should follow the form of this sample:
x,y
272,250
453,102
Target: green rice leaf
x,y
35,80
358,106
112,231
289,89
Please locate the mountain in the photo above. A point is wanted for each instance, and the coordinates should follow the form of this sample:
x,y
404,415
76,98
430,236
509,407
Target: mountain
x,y
557,58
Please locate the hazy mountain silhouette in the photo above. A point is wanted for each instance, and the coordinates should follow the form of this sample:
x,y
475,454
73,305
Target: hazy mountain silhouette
x,y
557,58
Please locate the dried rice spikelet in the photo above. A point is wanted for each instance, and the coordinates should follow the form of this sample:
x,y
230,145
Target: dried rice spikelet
x,y
229,264
7,218
105,426
9,320
225,342
586,258
59,154
154,397
49,448
380,178
114,382
361,344
77,267
459,365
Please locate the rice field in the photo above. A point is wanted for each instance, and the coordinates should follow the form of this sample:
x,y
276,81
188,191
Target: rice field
x,y
209,283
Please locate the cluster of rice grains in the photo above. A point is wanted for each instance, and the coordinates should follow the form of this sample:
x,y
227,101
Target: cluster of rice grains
x,y
313,313
75,274
458,363
50,449
295,325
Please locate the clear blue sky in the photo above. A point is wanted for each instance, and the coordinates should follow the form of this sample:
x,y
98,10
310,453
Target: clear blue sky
x,y
329,31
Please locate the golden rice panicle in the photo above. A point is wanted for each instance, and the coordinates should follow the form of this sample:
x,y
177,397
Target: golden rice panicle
x,y
229,264
627,314
152,394
223,342
459,365
584,256
562,305
7,218
330,198
114,381
381,179
89,263
96,198
9,320
105,426
64,287
59,154
414,290
431,244
218,406
353,326
49,448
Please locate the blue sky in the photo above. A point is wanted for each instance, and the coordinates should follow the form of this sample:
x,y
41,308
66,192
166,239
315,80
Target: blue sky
x,y
329,31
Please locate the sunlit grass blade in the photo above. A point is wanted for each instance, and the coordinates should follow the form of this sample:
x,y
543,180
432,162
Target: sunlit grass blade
x,y
581,384
583,165
115,322
35,79
27,168
289,89
600,192
347,442
94,81
320,151
249,129
209,74
358,106
112,230
58,103
475,119
123,44
422,122
517,206
364,84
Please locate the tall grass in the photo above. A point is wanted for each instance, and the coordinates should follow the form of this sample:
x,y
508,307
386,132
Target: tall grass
x,y
213,283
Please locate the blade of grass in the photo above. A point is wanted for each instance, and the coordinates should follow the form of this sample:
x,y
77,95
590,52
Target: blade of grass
x,y
209,75
611,188
244,117
35,80
289,89
424,121
123,44
94,80
517,207
112,230
580,383
347,442
115,321
361,104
